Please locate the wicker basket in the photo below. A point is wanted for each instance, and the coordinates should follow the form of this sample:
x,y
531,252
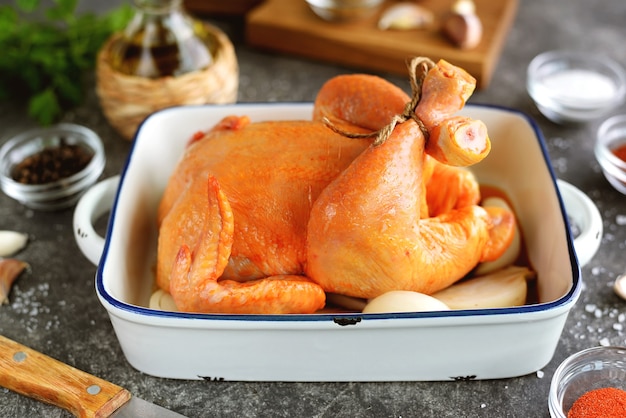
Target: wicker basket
x,y
127,100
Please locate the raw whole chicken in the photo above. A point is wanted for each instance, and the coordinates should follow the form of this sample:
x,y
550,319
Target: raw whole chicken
x,y
266,217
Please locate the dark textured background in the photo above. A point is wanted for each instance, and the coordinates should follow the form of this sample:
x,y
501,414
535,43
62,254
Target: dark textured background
x,y
54,308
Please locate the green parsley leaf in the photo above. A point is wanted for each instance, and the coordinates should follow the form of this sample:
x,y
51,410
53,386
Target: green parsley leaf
x,y
45,107
45,58
27,5
63,11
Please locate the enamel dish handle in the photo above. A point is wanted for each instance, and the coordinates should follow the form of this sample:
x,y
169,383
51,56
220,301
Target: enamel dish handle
x,y
584,213
99,199
92,205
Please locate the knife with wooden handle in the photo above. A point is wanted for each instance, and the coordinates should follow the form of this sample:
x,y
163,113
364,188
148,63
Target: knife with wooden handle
x,y
38,376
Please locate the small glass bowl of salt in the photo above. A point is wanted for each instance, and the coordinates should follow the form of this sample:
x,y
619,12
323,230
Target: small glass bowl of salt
x,y
575,87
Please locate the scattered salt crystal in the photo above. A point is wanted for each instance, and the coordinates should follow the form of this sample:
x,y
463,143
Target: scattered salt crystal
x,y
560,165
597,313
604,342
559,142
621,317
482,405
620,219
596,271
618,327
540,374
590,307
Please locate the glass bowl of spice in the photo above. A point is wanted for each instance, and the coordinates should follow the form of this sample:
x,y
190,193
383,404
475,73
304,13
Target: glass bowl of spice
x,y
610,151
50,168
590,383
575,87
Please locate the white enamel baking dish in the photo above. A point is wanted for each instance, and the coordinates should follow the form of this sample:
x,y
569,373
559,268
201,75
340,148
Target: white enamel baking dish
x,y
451,345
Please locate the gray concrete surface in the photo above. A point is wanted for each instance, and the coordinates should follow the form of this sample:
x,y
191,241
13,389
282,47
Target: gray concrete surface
x,y
54,308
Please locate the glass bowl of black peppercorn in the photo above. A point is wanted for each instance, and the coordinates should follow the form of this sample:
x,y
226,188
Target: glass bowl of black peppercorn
x,y
50,168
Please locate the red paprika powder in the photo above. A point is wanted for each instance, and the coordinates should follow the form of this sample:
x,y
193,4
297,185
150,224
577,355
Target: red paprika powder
x,y
600,403
620,152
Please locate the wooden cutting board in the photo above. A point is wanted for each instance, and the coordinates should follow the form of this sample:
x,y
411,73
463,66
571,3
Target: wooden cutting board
x,y
208,8
290,26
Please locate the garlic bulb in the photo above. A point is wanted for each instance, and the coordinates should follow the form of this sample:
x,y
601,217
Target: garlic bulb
x,y
500,289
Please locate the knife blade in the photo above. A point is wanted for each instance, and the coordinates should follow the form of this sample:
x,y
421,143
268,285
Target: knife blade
x,y
33,374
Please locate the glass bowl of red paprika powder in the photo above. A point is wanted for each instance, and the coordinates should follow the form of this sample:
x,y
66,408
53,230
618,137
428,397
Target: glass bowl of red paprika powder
x,y
590,383
610,151
50,168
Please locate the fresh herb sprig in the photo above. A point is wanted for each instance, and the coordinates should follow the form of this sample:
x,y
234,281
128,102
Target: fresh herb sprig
x,y
45,54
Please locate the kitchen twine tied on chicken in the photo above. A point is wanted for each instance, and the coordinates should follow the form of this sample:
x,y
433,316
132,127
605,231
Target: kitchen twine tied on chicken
x,y
418,68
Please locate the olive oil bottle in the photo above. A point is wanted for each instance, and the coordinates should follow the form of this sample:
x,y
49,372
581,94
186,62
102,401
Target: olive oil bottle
x,y
163,58
162,40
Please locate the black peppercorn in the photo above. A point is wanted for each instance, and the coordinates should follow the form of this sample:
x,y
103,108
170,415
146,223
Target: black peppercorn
x,y
52,164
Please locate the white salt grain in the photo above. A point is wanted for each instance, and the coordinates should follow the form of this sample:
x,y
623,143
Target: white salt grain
x,y
581,85
604,342
540,374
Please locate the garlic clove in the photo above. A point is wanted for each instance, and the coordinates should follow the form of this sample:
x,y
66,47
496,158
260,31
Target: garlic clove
x,y
404,301
163,301
620,286
405,16
464,7
11,242
10,269
464,30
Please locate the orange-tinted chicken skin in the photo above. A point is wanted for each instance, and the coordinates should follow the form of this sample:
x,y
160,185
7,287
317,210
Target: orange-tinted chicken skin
x,y
267,217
